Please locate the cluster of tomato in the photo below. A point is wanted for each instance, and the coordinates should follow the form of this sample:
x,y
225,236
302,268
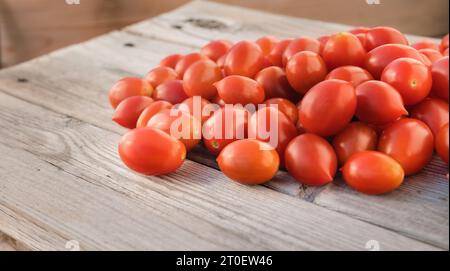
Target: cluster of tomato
x,y
364,100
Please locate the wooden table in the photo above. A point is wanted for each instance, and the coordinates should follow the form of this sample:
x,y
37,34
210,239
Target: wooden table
x,y
63,186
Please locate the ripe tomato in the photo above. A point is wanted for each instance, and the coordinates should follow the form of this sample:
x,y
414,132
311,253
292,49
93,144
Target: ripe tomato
x,y
226,125
128,87
439,71
445,53
343,49
356,137
186,61
410,142
216,49
354,75
410,77
221,63
171,91
284,106
444,43
311,160
433,111
431,54
129,110
170,61
197,107
266,44
236,89
150,111
274,81
244,58
442,143
167,153
304,70
179,125
323,41
380,57
378,36
300,45
328,107
359,30
373,173
276,55
249,161
217,100
199,78
363,39
425,44
159,75
270,125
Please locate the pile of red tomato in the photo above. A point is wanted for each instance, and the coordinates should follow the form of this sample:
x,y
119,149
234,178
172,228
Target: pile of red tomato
x,y
365,101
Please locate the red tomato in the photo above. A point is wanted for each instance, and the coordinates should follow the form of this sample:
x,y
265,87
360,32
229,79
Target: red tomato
x,y
328,107
236,89
170,61
167,153
352,74
150,111
179,125
300,45
216,49
171,91
425,44
442,143
378,103
274,81
434,112
380,57
267,43
311,160
199,78
186,61
197,107
359,30
444,43
285,106
217,100
410,77
445,53
304,70
128,87
363,39
249,161
343,49
373,173
378,36
226,125
276,55
323,41
221,62
410,142
439,71
159,75
129,110
244,58
431,54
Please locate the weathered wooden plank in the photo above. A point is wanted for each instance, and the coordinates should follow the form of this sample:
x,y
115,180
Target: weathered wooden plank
x,y
63,178
5,243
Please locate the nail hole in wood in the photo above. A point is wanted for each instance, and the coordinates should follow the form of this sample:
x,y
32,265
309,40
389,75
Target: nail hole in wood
x,y
177,26
128,44
22,80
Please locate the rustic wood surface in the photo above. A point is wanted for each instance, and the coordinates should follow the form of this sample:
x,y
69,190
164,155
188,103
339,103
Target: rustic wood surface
x,y
62,185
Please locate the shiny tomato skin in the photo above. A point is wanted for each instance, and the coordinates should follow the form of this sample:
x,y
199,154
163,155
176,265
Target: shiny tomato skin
x,y
439,71
410,77
276,55
304,70
311,160
300,45
410,142
159,75
170,61
445,53
199,78
171,91
372,173
425,44
166,153
128,87
284,106
216,49
352,74
380,57
442,143
150,111
378,36
186,61
431,54
343,49
274,81
359,30
236,89
433,111
323,41
266,43
444,43
245,58
378,103
129,110
216,133
249,161
328,107
197,107
355,137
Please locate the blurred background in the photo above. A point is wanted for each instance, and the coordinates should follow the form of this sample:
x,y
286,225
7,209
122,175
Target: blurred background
x,y
29,28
